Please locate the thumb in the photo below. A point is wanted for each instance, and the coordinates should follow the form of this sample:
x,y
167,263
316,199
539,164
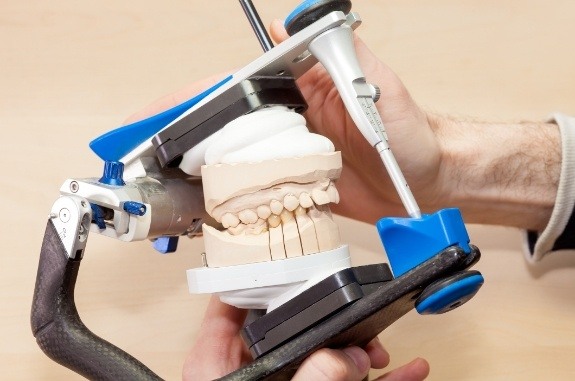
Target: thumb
x,y
277,31
348,364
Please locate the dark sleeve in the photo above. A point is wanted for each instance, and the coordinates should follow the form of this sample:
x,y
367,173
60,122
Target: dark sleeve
x,y
565,241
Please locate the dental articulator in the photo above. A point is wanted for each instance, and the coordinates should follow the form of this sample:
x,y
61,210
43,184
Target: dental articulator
x,y
207,168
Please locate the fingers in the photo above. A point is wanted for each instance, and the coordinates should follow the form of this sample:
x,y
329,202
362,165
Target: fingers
x,y
221,320
278,32
417,370
219,348
348,364
378,356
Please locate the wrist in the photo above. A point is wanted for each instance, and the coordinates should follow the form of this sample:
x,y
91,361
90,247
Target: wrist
x,y
499,173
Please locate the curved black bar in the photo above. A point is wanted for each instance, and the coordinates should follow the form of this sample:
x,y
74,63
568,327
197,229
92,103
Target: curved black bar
x,y
58,328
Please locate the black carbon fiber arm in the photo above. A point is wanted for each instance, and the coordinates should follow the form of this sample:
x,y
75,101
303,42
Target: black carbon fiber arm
x,y
58,328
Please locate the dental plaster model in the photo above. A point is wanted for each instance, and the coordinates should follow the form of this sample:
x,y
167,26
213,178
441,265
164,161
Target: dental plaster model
x,y
269,182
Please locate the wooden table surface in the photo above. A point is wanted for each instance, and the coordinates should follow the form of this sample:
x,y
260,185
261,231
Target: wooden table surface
x,y
71,70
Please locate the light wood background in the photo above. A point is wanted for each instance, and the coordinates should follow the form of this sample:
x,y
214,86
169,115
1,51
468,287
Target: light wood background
x,y
71,70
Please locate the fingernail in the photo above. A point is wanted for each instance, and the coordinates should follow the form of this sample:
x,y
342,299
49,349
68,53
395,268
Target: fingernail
x,y
359,358
377,343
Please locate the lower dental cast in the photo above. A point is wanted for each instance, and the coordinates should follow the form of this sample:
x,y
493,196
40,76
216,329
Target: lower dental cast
x,y
269,182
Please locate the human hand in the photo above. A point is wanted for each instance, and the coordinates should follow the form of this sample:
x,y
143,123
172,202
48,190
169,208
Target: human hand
x,y
480,167
365,188
220,350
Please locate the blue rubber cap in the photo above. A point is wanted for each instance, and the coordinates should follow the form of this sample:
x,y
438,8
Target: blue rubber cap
x,y
299,9
115,144
408,242
311,11
451,295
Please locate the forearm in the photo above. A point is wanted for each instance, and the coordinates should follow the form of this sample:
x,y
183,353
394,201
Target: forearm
x,y
501,174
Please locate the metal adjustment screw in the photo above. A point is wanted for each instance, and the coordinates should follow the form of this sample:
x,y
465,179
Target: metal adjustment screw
x,y
74,187
375,92
204,260
64,215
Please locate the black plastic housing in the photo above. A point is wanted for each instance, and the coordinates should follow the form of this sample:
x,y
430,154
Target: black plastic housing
x,y
245,97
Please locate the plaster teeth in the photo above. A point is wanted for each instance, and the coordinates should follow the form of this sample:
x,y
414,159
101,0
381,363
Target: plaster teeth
x,y
333,194
291,202
326,230
290,231
222,249
270,210
230,220
305,200
320,197
248,216
274,221
307,233
264,211
257,228
286,216
299,211
277,249
237,230
276,207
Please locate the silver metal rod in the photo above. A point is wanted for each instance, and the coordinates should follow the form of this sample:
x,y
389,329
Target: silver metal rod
x,y
398,180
